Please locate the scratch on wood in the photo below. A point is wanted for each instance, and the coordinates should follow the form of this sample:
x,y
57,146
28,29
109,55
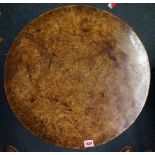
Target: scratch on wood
x,y
29,73
51,99
51,60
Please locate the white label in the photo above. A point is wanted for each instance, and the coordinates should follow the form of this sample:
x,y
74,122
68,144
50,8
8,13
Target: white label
x,y
88,143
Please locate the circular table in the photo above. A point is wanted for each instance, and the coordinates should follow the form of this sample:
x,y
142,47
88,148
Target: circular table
x,y
77,76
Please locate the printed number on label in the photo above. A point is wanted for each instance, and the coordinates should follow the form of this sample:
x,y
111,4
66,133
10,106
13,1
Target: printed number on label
x,y
88,143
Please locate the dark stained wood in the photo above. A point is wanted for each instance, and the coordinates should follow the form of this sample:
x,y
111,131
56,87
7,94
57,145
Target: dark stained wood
x,y
77,73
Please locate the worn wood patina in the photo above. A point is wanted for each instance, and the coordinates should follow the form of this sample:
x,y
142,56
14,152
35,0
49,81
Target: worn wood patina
x,y
77,73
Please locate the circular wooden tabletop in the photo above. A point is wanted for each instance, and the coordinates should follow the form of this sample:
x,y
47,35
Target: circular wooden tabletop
x,y
77,73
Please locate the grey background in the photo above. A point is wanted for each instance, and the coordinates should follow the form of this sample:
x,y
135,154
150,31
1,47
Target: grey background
x,y
141,135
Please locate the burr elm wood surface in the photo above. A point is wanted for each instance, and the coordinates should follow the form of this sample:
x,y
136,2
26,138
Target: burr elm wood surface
x,y
77,73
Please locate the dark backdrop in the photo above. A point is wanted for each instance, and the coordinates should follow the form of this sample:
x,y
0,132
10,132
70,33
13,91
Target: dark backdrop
x,y
141,135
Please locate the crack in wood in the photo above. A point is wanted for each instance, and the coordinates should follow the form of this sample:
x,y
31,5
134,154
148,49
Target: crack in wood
x,y
52,58
29,73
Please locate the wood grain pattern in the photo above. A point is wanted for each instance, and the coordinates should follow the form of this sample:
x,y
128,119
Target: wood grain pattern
x,y
77,73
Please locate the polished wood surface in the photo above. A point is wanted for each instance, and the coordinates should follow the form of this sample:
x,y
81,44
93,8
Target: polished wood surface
x,y
77,73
